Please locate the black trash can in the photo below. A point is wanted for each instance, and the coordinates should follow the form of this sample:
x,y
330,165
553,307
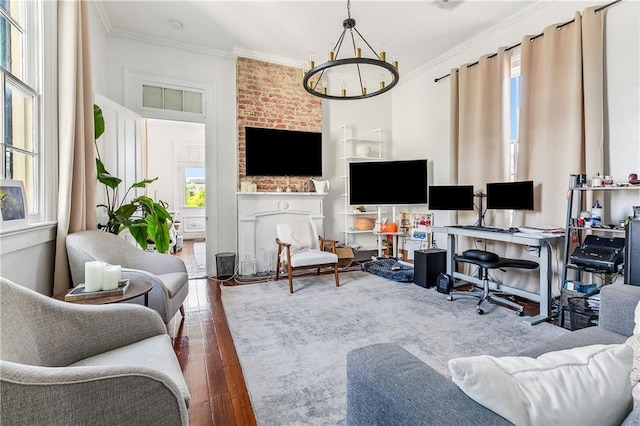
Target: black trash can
x,y
225,265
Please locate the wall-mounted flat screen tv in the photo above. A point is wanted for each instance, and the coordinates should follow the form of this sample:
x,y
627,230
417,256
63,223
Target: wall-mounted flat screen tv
x,y
388,182
510,195
277,152
451,197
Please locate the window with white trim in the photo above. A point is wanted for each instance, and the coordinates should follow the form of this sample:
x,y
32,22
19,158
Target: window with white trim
x,y
515,93
21,85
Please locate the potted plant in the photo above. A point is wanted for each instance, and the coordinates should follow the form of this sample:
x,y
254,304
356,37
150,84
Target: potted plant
x,y
145,219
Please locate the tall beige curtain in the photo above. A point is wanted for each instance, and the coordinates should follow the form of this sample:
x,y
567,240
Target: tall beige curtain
x,y
562,114
562,111
480,127
76,152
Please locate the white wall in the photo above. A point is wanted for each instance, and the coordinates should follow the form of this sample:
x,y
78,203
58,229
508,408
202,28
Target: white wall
x,y
171,146
421,106
126,55
98,39
362,117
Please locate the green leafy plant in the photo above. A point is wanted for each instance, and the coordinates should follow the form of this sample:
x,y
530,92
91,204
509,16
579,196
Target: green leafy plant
x,y
146,220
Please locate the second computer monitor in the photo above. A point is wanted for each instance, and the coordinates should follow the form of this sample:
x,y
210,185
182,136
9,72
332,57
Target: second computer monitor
x,y
510,195
451,197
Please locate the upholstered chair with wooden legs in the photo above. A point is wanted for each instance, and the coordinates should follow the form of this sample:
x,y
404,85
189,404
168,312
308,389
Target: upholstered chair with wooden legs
x,y
167,274
300,247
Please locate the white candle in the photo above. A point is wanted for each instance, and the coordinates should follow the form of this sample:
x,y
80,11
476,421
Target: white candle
x,y
110,277
93,275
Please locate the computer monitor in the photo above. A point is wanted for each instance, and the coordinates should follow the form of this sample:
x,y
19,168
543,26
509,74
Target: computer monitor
x,y
451,197
510,195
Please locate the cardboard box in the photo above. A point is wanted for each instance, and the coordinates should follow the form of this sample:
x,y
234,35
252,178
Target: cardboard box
x,y
345,256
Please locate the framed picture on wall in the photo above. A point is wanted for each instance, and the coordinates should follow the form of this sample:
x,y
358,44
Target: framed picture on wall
x,y
13,203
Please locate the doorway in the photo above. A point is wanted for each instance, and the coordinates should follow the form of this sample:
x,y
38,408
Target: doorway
x,y
174,152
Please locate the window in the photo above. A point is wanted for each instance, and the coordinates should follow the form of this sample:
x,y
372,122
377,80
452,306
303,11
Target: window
x,y
515,92
20,84
171,99
194,189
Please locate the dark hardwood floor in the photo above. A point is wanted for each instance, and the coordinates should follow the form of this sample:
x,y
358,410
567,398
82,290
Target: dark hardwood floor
x,y
202,341
208,358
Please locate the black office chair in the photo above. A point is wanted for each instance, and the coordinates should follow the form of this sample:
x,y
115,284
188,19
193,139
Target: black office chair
x,y
486,260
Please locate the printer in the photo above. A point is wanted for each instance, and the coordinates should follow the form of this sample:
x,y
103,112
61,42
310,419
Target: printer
x,y
599,253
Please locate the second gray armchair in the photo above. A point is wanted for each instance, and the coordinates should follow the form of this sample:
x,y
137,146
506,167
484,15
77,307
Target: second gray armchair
x,y
166,273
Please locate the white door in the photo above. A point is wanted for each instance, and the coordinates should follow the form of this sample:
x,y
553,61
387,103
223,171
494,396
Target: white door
x,y
120,149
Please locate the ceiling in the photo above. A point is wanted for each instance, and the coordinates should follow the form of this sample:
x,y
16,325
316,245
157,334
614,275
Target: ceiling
x,y
416,32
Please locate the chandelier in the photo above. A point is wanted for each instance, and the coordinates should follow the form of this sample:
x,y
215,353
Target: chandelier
x,y
362,70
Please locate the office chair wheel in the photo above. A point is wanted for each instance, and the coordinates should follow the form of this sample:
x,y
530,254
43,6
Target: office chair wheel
x,y
479,311
520,313
449,298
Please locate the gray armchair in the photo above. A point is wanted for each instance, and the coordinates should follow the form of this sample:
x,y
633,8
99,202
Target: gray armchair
x,y
166,273
63,363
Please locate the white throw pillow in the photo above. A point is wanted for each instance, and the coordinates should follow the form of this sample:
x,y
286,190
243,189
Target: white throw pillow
x,y
581,386
634,343
636,319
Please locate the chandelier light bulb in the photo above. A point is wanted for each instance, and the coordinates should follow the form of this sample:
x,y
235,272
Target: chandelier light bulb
x,y
383,56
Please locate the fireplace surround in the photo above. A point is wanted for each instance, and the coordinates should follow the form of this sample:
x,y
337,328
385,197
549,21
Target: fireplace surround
x,y
260,212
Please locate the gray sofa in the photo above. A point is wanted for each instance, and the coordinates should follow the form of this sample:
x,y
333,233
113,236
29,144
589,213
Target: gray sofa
x,y
387,385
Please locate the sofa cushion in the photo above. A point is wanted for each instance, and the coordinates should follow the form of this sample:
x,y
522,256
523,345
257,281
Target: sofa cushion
x,y
155,352
586,385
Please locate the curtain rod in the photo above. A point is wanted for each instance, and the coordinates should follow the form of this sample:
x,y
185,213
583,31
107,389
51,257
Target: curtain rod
x,y
532,38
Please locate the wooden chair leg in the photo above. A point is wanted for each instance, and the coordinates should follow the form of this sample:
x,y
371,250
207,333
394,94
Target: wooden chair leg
x,y
335,272
318,271
290,272
290,283
278,269
182,310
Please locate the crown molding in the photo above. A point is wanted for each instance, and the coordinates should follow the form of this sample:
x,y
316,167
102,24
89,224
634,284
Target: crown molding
x,y
170,43
265,57
102,13
493,30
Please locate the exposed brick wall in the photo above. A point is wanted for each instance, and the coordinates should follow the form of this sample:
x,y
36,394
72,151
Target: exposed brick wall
x,y
271,96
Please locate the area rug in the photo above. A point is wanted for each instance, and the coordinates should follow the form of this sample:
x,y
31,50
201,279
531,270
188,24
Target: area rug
x,y
293,347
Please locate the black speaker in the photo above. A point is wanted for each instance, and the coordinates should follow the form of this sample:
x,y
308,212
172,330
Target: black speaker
x,y
632,253
427,264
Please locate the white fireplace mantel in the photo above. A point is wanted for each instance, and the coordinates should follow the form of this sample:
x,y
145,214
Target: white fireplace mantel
x,y
260,212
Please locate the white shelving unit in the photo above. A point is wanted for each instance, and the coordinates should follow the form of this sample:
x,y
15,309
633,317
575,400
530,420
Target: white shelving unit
x,y
354,149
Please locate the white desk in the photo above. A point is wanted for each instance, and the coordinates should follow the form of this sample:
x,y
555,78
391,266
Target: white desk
x,y
544,241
